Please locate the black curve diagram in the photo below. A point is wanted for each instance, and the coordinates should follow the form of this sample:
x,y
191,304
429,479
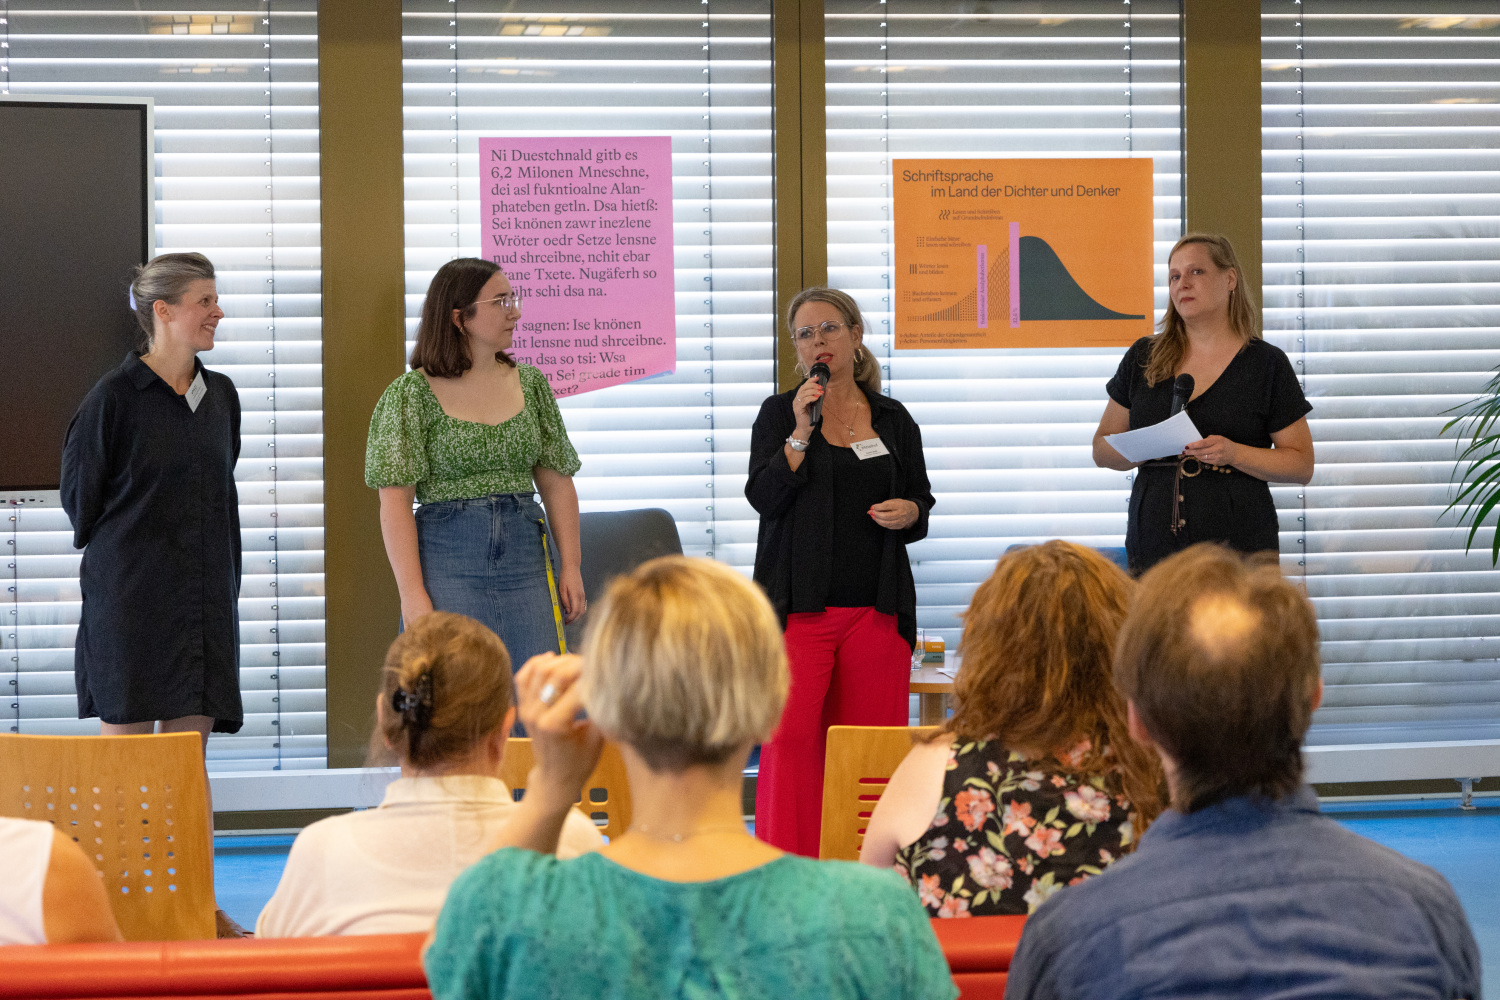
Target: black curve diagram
x,y
1048,291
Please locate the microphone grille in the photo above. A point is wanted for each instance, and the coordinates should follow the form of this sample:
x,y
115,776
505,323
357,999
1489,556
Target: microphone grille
x,y
1184,385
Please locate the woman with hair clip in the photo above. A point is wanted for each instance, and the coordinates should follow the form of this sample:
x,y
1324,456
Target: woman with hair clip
x,y
840,494
469,435
1035,782
684,669
1246,402
444,711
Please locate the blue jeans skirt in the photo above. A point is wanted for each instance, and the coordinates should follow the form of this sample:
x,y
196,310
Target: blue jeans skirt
x,y
486,558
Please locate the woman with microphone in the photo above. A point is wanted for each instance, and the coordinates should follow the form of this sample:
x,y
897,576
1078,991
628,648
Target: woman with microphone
x,y
1243,397
838,478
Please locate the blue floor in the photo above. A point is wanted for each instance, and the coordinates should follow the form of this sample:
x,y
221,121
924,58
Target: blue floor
x,y
1464,846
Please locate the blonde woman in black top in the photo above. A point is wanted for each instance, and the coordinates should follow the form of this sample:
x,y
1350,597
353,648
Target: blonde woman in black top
x,y
1246,402
838,501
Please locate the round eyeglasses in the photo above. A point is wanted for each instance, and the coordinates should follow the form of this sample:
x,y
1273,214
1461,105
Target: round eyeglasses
x,y
509,300
829,330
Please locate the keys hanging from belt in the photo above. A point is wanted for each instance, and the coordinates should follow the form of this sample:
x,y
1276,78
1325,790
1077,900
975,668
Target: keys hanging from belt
x,y
1179,502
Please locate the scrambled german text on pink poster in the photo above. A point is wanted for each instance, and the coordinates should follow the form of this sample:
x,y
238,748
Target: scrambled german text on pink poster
x,y
582,227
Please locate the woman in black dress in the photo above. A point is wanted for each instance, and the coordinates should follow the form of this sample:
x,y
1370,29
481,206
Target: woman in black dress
x,y
838,501
1246,402
148,482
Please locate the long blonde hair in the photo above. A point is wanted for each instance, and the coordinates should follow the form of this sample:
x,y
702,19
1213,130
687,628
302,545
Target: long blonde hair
x,y
1038,645
866,368
1170,345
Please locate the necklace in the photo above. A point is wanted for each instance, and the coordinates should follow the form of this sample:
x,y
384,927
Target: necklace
x,y
847,426
677,838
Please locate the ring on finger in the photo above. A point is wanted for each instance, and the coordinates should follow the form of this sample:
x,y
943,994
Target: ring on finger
x,y
548,693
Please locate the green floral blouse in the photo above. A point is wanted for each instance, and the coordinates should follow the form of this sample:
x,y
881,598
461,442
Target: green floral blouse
x,y
413,442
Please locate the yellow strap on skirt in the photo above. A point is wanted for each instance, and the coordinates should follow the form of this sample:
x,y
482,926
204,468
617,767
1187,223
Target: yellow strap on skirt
x,y
557,615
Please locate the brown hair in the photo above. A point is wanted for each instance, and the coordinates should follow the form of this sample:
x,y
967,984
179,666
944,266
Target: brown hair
x,y
685,663
1220,657
1170,345
446,685
866,368
442,349
1037,643
165,277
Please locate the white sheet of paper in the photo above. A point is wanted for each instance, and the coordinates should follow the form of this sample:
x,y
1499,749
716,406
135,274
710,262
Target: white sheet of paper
x,y
1163,440
196,392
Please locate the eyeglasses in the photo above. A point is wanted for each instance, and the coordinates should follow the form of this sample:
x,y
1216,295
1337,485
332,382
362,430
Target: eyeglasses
x,y
510,300
829,330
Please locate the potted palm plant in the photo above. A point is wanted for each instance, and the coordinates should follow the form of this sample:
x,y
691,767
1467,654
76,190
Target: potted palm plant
x,y
1478,468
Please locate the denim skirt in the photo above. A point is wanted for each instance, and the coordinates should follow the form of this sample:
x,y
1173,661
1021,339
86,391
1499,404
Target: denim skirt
x,y
485,558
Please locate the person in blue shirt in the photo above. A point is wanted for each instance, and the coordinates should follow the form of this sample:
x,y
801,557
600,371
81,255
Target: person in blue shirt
x,y
685,668
1241,888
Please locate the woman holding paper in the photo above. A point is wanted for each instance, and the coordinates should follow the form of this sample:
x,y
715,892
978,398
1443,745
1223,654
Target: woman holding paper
x,y
838,478
470,434
1246,404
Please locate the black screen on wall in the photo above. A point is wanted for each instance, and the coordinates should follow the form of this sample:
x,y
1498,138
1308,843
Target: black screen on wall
x,y
75,202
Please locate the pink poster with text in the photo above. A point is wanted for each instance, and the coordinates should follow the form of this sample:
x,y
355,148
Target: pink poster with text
x,y
582,227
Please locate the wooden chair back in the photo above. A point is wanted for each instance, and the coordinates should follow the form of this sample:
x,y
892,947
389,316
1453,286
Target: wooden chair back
x,y
606,795
138,806
859,764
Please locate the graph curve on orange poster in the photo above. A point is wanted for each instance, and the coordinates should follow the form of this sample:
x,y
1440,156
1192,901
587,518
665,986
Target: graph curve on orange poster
x,y
1022,252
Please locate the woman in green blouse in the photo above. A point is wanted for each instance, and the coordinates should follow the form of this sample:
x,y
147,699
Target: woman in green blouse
x,y
465,434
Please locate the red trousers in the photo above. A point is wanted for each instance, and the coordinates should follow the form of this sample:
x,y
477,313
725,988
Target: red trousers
x,y
850,667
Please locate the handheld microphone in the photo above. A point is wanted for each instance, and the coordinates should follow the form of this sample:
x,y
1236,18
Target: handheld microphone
x,y
1182,391
820,372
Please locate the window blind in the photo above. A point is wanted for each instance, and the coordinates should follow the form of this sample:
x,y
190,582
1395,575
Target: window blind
x,y
236,104
699,73
1382,230
1007,434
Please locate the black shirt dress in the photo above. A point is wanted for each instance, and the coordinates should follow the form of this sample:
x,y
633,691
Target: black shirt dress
x,y
149,486
1257,395
797,558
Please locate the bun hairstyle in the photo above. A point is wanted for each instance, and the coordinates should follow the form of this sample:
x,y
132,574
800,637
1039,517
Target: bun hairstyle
x,y
164,278
866,368
446,685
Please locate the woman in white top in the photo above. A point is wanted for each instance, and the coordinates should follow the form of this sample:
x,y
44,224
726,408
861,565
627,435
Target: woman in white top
x,y
445,708
51,893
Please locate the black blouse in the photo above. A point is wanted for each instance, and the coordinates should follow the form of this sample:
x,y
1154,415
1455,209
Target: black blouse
x,y
797,511
859,484
149,486
1256,396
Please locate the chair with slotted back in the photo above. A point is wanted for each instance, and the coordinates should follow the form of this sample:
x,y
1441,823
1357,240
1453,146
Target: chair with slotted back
x,y
138,806
858,766
606,795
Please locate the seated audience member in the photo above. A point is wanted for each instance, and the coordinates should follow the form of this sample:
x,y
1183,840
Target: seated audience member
x,y
685,668
1241,888
52,894
445,709
1034,783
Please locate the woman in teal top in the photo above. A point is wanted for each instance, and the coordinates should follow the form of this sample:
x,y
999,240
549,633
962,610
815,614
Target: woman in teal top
x,y
465,434
685,669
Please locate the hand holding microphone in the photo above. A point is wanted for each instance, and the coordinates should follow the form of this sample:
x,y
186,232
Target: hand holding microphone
x,y
809,399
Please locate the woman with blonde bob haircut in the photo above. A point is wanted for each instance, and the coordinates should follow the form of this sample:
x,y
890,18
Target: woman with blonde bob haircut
x,y
1243,396
684,667
1034,783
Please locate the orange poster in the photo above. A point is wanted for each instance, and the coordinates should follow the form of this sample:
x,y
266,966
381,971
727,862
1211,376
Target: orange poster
x,y
1022,253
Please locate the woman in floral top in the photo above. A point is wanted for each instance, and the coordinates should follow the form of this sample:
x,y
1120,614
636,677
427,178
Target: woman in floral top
x,y
1035,783
470,435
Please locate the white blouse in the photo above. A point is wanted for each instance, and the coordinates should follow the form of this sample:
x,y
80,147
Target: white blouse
x,y
387,870
26,846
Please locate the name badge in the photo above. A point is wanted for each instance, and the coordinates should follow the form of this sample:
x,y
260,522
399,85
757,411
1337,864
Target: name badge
x,y
872,448
196,392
